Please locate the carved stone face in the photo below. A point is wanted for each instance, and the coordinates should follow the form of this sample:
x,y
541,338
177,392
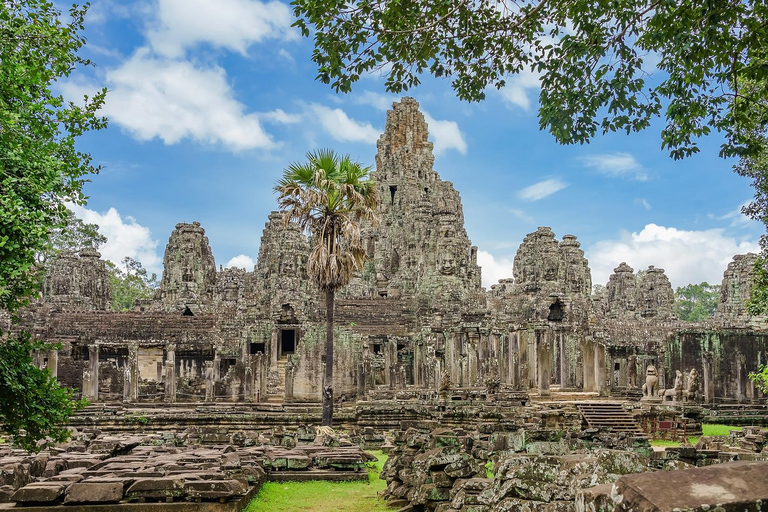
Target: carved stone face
x,y
651,370
447,264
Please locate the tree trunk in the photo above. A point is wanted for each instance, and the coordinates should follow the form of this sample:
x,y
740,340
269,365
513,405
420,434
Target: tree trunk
x,y
328,381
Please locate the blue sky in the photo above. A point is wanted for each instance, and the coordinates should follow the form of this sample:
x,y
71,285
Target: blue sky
x,y
210,100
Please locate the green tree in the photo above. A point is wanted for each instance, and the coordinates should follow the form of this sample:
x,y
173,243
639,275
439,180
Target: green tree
x,y
697,302
760,378
329,196
590,56
757,304
33,408
40,170
130,284
73,236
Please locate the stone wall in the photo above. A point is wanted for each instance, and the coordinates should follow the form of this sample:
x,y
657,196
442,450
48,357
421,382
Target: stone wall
x,y
414,318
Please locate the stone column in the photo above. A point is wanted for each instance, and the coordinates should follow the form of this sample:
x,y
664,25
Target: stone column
x,y
216,364
170,381
741,377
600,384
563,361
289,367
131,385
93,366
588,366
53,363
209,381
543,361
360,381
709,387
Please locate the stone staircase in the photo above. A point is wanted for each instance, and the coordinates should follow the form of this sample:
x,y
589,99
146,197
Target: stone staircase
x,y
609,415
278,396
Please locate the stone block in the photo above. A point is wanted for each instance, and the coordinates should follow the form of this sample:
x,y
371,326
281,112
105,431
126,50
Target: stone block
x,y
728,487
595,499
40,492
156,488
94,492
214,489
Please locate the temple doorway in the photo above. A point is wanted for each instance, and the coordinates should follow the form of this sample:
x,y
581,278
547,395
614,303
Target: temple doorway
x,y
287,342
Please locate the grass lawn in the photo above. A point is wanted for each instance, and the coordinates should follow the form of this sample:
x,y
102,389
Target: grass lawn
x,y
324,496
707,429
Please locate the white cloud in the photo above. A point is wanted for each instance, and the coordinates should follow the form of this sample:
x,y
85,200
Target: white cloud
x,y
515,92
445,135
643,202
174,100
241,261
542,189
231,24
738,219
686,256
125,237
520,214
616,165
281,117
341,127
381,102
493,268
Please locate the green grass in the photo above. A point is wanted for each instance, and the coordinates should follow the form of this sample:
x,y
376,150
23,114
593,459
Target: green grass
x,y
324,496
707,429
717,430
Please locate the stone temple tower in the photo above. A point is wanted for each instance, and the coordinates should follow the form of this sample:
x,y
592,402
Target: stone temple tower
x,y
421,247
189,276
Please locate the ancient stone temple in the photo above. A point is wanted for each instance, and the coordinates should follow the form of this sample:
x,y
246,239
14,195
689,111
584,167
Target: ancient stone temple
x,y
415,319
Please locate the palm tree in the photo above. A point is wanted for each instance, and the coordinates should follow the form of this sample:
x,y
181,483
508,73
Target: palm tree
x,y
329,196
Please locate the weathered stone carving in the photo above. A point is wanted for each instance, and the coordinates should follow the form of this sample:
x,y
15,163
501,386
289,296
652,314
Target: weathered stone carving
x,y
632,372
675,392
691,393
651,381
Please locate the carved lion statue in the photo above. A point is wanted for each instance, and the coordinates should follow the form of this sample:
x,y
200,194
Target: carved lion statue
x,y
675,392
651,381
693,385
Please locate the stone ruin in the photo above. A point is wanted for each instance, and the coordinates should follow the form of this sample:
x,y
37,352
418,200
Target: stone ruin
x,y
415,312
540,377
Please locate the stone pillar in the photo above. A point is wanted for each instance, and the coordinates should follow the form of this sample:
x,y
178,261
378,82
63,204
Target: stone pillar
x,y
209,381
53,363
216,365
170,381
360,381
131,374
274,346
600,383
563,361
392,377
289,367
543,361
588,356
87,385
709,386
93,366
741,377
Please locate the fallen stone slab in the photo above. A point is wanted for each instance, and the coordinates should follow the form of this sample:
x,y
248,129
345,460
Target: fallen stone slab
x,y
40,492
156,488
728,487
94,492
214,489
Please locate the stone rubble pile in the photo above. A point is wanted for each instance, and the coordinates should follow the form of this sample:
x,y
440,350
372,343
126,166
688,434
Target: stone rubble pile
x,y
445,470
95,469
441,469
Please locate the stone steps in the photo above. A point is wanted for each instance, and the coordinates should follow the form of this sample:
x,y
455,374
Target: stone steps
x,y
609,415
278,396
